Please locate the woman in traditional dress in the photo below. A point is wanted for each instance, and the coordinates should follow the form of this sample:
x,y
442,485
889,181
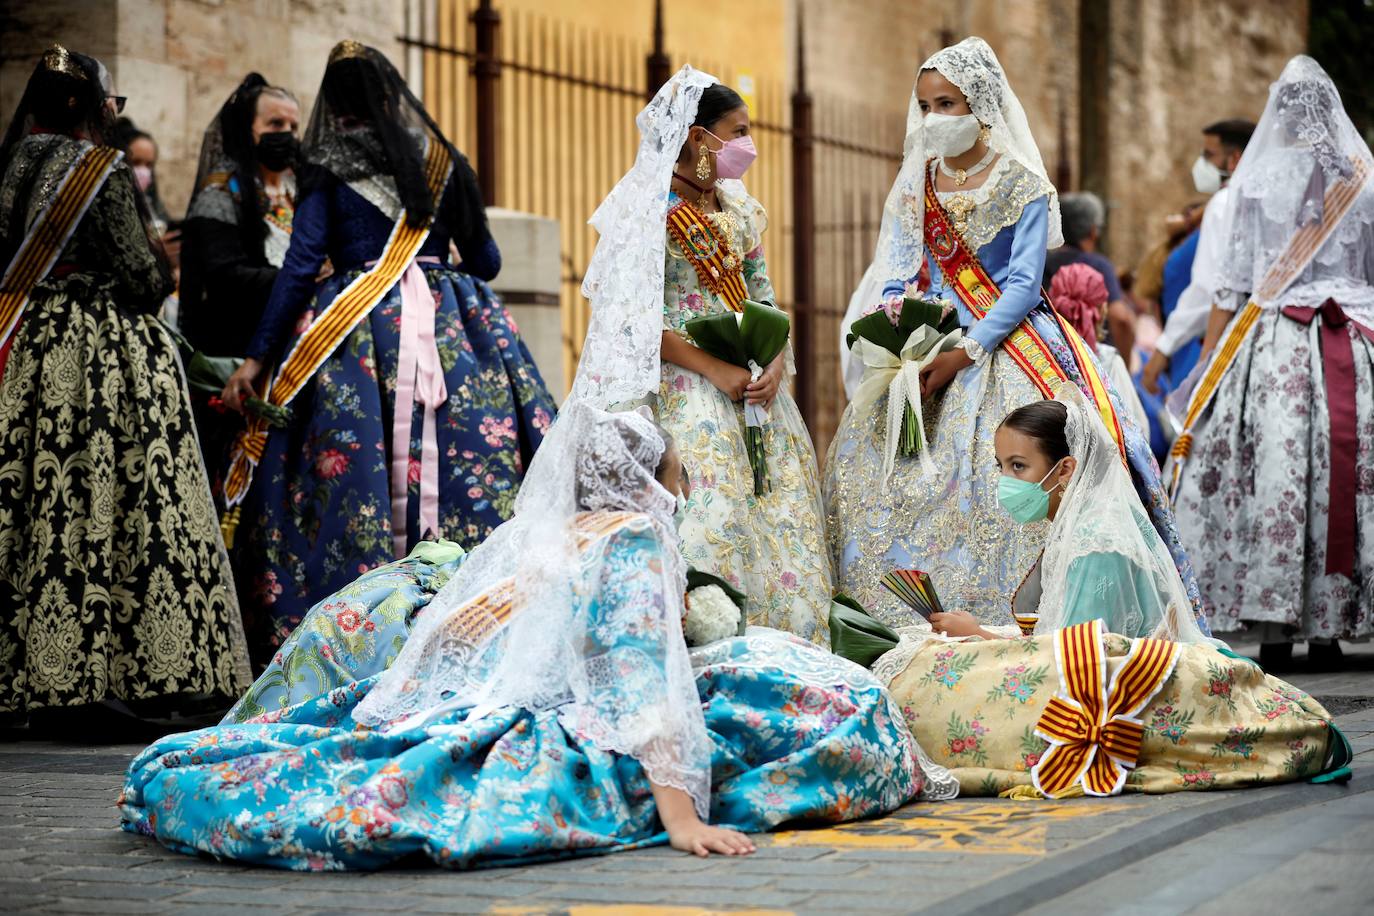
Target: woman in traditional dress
x,y
415,405
545,703
1274,473
973,201
235,237
770,545
114,585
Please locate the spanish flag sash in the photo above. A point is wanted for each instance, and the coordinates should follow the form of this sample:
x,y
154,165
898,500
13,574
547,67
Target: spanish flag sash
x,y
718,267
1301,248
1093,726
979,292
329,329
51,231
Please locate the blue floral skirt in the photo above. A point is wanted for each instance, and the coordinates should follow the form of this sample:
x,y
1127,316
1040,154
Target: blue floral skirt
x,y
290,780
319,510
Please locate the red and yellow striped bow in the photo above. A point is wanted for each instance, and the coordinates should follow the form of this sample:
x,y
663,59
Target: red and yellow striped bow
x,y
1093,730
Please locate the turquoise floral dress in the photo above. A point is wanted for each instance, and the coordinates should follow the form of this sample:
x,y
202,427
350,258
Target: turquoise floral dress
x,y
290,780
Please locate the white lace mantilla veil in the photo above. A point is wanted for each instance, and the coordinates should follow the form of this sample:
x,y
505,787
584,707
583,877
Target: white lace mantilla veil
x,y
1303,143
973,67
1099,514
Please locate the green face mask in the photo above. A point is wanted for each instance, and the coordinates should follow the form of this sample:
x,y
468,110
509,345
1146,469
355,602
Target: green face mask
x,y
1024,501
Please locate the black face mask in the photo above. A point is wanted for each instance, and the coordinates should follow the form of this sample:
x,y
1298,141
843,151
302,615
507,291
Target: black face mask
x,y
277,151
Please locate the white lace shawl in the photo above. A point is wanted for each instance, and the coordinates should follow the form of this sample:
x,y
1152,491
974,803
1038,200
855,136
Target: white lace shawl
x,y
1304,142
1100,513
624,281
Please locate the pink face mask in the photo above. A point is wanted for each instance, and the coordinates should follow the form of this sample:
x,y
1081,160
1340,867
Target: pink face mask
x,y
734,158
143,176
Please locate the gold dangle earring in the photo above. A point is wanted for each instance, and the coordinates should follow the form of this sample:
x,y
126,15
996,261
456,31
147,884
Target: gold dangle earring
x,y
984,134
704,163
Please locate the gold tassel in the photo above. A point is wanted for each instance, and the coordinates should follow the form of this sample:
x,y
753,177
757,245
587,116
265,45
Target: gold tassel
x,y
228,524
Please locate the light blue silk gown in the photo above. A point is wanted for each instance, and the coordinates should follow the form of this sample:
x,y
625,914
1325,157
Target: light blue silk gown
x,y
290,780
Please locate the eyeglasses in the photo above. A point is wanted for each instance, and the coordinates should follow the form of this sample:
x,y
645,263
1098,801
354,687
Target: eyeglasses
x,y
120,101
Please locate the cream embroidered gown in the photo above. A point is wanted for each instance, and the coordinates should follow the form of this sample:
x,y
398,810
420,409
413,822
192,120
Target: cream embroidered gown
x,y
771,547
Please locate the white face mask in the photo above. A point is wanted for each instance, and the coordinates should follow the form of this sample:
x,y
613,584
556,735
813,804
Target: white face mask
x,y
951,135
1207,178
681,502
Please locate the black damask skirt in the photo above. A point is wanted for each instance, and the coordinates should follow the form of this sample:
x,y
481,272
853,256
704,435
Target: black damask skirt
x,y
114,581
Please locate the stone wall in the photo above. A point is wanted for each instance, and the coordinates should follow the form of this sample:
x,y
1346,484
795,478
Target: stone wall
x,y
177,60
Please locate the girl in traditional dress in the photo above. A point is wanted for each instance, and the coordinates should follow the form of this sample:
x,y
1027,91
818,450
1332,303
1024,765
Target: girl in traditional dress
x,y
235,237
415,405
544,703
1274,473
772,546
114,584
1102,557
973,201
1106,682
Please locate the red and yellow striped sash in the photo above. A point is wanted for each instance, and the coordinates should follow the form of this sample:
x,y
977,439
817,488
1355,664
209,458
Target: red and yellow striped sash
x,y
1297,254
718,268
979,292
1094,731
332,326
50,232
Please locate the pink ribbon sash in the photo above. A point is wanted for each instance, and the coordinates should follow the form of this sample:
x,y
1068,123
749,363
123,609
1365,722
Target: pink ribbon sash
x,y
419,380
1338,368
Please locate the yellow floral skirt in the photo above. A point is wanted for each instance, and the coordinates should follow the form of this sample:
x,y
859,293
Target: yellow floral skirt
x,y
1217,722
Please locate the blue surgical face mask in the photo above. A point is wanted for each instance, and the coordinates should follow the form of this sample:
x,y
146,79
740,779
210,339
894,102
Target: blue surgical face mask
x,y
1024,501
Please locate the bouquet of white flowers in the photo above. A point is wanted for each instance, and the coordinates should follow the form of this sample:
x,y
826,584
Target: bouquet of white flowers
x,y
714,609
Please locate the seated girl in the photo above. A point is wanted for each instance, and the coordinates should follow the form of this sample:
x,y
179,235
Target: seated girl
x,y
543,702
1103,557
1111,685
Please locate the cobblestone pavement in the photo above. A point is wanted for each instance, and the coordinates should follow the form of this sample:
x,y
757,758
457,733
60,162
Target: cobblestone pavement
x,y
1268,850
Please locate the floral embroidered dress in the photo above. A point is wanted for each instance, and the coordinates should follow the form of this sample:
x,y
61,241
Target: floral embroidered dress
x,y
291,780
1275,490
114,583
947,521
773,546
320,510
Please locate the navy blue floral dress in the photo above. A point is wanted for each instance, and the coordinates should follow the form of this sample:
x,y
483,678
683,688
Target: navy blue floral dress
x,y
320,507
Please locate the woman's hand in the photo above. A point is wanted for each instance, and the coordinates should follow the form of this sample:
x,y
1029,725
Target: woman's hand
x,y
955,623
730,379
241,385
942,369
687,832
702,839
766,388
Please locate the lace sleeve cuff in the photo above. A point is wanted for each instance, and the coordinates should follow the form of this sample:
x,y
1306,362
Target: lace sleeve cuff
x,y
974,349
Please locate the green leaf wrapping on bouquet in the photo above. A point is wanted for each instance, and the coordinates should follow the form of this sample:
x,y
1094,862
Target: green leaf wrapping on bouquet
x,y
857,635
698,579
271,414
209,374
877,328
759,333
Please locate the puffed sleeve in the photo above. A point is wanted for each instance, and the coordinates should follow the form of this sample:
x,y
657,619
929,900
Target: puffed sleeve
x,y
119,238
295,282
1021,291
466,216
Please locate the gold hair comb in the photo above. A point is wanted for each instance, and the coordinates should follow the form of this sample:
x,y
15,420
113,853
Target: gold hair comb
x,y
58,59
346,49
